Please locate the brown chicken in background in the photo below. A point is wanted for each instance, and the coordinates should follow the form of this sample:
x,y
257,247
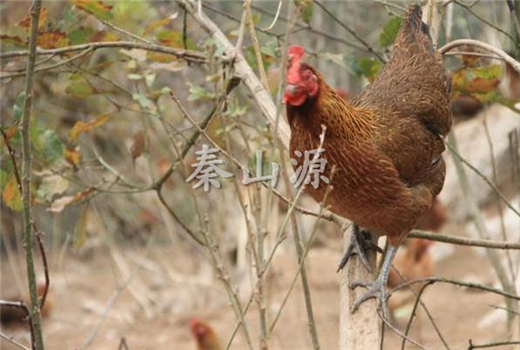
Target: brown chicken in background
x,y
415,260
386,143
15,316
204,335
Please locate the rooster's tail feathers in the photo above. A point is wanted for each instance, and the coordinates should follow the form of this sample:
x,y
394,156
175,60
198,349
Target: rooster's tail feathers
x,y
413,17
413,29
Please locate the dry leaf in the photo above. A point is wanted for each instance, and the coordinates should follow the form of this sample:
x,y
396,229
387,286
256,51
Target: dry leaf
x,y
81,126
42,20
61,203
11,194
138,144
52,39
72,156
80,232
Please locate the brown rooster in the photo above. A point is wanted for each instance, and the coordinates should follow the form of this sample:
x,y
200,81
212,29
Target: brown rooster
x,y
386,143
204,335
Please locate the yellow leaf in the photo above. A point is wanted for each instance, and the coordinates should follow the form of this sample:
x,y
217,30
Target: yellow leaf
x,y
160,57
81,126
156,24
11,195
42,20
72,156
81,229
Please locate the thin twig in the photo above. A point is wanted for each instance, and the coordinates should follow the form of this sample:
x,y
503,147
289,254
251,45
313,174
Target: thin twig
x,y
189,55
126,32
110,303
21,305
483,20
50,67
471,242
12,341
414,310
242,69
480,225
458,157
399,333
27,177
491,345
463,42
505,309
275,19
457,283
350,30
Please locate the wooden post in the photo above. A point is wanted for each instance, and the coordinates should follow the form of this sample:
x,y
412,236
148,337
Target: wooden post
x,y
359,330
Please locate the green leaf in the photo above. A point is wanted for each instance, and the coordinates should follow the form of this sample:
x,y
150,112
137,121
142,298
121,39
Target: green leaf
x,y
97,8
307,10
235,110
80,35
79,87
270,48
49,146
199,92
369,67
11,193
3,179
145,103
80,232
18,106
390,31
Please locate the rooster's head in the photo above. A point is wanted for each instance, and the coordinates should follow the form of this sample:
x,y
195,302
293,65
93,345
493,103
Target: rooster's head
x,y
302,81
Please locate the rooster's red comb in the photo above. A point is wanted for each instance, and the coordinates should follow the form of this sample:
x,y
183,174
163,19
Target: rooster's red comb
x,y
296,51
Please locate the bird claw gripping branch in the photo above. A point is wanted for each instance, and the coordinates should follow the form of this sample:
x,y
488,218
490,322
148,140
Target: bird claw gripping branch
x,y
360,242
378,288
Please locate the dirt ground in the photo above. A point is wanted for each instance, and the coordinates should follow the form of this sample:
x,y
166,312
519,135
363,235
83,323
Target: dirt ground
x,y
152,310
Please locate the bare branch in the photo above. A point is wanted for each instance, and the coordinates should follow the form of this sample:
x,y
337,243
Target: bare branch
x,y
12,341
27,178
501,53
243,70
188,55
484,243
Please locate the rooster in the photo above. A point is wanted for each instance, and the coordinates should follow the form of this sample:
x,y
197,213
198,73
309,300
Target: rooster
x,y
386,144
204,335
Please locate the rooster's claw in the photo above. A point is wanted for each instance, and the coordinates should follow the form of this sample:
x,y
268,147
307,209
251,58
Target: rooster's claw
x,y
359,243
376,289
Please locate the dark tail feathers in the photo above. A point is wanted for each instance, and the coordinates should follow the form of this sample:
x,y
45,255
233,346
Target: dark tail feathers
x,y
414,18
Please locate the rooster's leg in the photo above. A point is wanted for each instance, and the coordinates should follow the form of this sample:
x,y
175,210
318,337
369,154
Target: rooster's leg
x,y
359,242
377,289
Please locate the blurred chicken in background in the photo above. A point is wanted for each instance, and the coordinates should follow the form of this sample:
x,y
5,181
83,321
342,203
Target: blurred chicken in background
x,y
204,335
15,316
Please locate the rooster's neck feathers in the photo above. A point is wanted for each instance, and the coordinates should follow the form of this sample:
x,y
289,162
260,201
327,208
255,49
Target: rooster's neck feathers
x,y
331,110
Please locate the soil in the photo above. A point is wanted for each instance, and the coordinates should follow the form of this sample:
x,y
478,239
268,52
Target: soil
x,y
167,288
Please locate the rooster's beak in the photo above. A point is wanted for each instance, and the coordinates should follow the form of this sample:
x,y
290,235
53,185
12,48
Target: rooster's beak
x,y
291,89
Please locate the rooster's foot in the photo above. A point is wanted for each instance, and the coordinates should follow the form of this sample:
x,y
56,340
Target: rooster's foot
x,y
376,289
360,242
